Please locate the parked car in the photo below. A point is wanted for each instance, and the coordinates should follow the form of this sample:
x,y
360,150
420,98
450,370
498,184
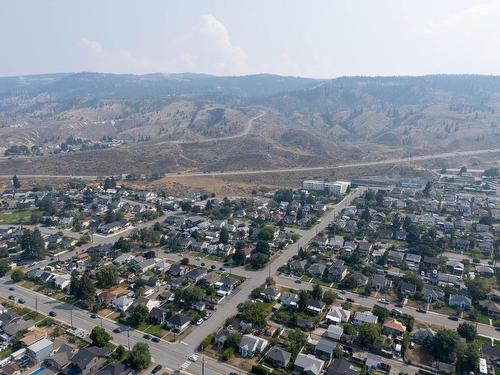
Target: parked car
x,y
93,316
193,357
422,310
396,312
156,369
12,298
298,281
117,330
453,317
155,339
147,337
349,299
399,304
383,301
52,313
341,297
199,322
11,288
21,301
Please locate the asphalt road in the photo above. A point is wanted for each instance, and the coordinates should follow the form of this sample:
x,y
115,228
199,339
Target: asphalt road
x,y
284,170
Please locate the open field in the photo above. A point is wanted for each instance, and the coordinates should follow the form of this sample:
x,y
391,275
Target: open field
x,y
15,216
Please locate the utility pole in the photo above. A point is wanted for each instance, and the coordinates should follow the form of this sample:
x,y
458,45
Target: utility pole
x,y
128,339
71,316
36,303
101,321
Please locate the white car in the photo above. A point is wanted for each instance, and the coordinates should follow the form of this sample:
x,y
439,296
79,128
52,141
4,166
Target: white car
x,y
197,258
199,322
193,357
383,301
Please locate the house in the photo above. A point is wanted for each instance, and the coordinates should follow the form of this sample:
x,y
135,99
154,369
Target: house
x,y
270,294
364,317
61,357
308,364
62,281
422,335
290,300
316,269
221,337
431,263
113,227
341,366
485,271
432,295
413,261
40,350
178,323
395,257
149,303
492,308
407,289
380,283
196,274
455,267
364,248
278,357
393,327
122,303
106,297
315,306
297,265
123,258
177,270
491,353
304,324
88,360
338,271
359,279
446,278
16,325
11,368
338,315
251,345
460,301
334,332
324,348
115,369
145,265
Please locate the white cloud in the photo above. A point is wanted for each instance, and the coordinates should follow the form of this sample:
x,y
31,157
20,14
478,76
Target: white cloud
x,y
473,16
205,48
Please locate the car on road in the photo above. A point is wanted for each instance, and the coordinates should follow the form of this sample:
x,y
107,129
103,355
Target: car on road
x,y
422,310
52,313
399,304
453,317
117,330
197,258
147,337
93,316
298,281
497,328
199,322
193,357
21,301
341,297
342,291
11,288
155,339
12,298
383,301
233,373
221,269
397,312
181,255
349,299
156,369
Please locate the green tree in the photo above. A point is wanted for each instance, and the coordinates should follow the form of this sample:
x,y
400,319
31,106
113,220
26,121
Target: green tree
x,y
368,334
444,345
467,331
119,353
139,315
99,336
189,295
296,339
317,292
381,312
32,244
17,275
262,247
224,236
266,233
107,276
468,359
139,357
329,297
15,182
233,340
35,217
477,288
4,267
254,313
258,260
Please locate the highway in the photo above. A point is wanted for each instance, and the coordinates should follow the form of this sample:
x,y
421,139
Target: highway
x,y
445,155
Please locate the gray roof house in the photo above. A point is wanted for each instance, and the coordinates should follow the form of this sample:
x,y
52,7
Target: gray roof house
x,y
278,357
324,348
251,345
460,301
308,364
364,317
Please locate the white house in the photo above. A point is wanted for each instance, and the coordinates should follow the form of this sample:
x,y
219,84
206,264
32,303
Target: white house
x,y
62,281
122,303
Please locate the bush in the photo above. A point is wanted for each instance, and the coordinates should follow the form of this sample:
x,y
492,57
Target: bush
x,y
207,341
227,353
17,275
259,370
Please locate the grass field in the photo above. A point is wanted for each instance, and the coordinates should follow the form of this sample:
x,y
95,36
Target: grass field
x,y
15,216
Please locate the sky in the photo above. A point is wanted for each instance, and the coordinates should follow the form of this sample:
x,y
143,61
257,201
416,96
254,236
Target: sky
x,y
310,38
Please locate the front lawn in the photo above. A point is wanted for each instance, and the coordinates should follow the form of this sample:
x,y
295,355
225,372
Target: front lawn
x,y
15,216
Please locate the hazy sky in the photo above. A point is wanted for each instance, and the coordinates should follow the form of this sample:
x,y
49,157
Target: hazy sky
x,y
314,38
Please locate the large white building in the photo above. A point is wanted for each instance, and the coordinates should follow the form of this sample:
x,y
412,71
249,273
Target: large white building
x,y
337,187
